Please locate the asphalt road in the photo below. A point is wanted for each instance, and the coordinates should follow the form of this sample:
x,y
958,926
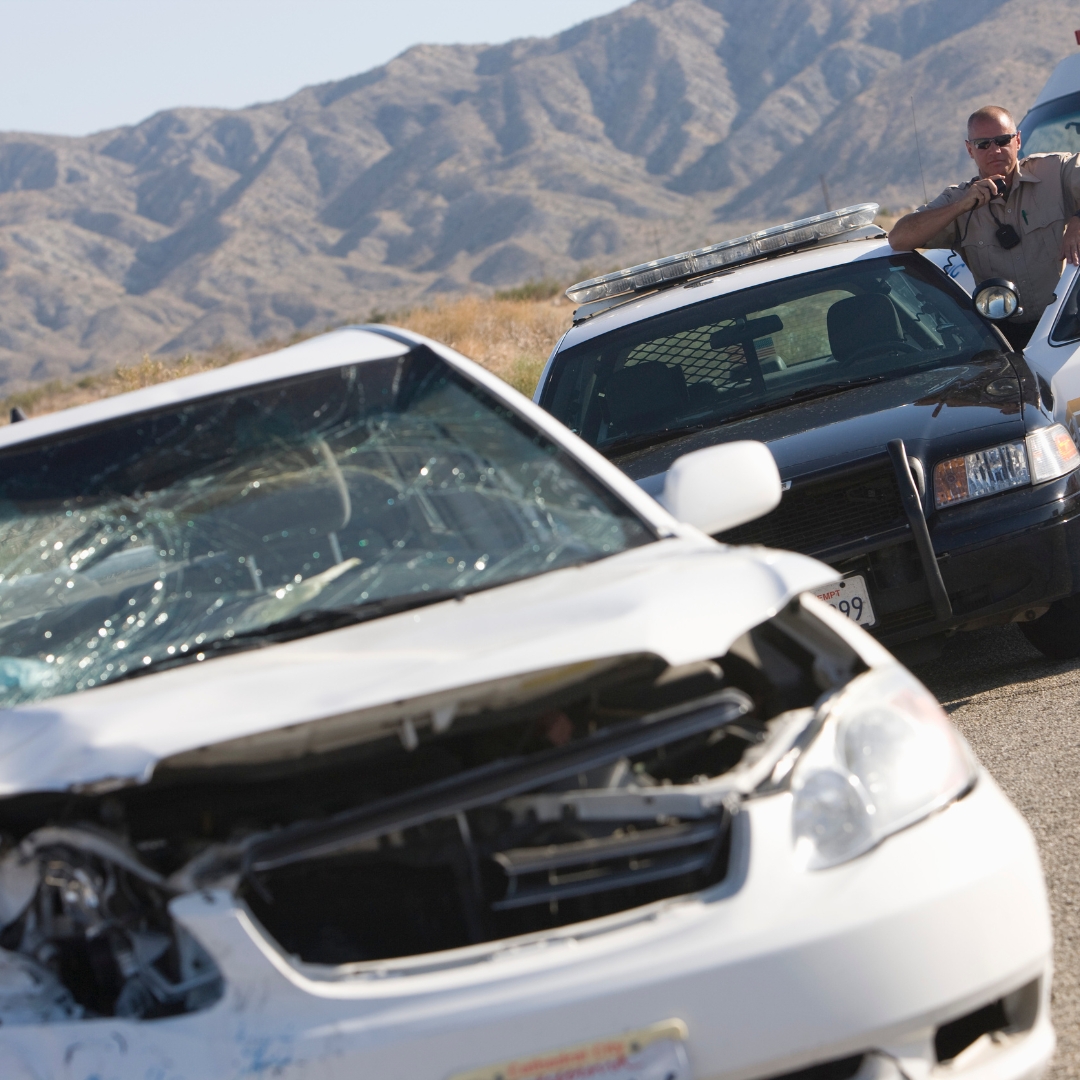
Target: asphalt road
x,y
1021,713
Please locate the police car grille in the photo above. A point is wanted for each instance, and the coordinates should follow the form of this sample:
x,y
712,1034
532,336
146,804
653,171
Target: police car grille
x,y
827,513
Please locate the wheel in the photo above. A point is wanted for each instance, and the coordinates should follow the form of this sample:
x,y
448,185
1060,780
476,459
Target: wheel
x,y
1057,633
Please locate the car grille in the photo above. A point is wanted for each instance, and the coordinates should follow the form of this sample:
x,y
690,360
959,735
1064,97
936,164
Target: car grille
x,y
559,872
905,619
827,513
505,849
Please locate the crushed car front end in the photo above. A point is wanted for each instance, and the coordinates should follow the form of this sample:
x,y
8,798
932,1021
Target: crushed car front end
x,y
530,779
780,854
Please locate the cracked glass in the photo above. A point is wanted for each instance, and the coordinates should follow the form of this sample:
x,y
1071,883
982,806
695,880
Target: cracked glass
x,y
162,538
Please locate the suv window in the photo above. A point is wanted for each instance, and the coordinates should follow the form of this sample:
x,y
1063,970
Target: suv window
x,y
1053,127
763,348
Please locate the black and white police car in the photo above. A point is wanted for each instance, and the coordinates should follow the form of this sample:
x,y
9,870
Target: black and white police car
x,y
932,467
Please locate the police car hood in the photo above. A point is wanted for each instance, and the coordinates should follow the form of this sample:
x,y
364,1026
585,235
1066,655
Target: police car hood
x,y
682,599
975,399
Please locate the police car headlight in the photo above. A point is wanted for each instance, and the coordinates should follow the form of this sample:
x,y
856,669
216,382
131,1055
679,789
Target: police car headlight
x,y
1044,455
886,757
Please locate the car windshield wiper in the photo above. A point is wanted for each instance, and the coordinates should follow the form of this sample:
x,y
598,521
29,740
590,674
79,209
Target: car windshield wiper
x,y
635,442
302,624
806,393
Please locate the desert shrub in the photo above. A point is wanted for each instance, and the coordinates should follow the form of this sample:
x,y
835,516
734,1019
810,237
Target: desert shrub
x,y
510,337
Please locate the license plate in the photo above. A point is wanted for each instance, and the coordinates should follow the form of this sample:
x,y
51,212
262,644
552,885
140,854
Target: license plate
x,y
850,597
653,1053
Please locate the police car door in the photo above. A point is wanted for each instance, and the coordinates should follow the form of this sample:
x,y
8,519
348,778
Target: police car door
x,y
1054,352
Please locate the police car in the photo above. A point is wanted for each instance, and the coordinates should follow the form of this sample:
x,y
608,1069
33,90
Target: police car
x,y
932,468
357,719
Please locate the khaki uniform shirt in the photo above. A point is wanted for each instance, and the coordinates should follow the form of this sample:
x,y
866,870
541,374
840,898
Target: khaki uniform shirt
x,y
1039,204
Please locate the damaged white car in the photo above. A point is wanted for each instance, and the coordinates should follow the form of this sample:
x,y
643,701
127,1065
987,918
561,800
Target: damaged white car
x,y
358,720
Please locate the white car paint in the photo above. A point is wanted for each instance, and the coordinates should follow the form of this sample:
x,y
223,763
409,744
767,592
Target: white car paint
x,y
774,969
630,603
1059,364
950,261
1064,79
870,955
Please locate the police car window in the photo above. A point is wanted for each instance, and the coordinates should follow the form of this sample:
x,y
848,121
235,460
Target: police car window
x,y
805,333
761,348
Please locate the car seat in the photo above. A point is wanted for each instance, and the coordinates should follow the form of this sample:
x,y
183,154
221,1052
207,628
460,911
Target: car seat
x,y
858,324
643,397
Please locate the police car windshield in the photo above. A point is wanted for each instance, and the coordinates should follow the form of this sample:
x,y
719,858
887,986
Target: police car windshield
x,y
296,506
762,348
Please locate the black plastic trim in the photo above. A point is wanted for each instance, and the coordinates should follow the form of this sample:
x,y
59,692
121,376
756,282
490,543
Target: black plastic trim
x,y
909,494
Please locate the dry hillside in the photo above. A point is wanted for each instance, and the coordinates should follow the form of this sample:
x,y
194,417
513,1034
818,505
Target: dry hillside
x,y
511,335
458,169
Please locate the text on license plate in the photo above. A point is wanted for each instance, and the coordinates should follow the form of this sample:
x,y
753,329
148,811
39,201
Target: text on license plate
x,y
653,1053
851,598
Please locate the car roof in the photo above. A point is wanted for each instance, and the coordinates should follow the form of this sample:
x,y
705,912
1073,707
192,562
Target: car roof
x,y
1064,79
740,277
350,345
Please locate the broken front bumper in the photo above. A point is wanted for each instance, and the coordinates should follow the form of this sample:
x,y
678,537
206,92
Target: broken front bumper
x,y
773,970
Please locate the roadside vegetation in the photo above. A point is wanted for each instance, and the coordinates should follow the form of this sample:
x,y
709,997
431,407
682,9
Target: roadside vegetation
x,y
511,334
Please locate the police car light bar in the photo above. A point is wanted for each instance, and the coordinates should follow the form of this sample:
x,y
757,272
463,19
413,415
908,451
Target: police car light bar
x,y
675,268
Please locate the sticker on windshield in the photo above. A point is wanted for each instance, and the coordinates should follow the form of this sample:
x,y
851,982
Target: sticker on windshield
x,y
653,1053
851,598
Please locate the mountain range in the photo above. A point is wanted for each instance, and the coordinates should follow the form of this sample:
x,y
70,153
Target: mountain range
x,y
665,125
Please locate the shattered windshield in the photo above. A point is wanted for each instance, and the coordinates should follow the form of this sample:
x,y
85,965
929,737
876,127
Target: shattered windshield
x,y
762,348
151,540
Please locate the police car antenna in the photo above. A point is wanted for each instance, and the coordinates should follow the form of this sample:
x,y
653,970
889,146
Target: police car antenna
x,y
918,150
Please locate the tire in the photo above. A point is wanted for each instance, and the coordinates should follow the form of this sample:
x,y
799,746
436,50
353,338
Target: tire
x,y
1057,633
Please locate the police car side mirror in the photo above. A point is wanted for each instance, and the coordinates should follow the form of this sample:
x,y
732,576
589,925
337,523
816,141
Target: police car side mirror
x,y
720,487
997,299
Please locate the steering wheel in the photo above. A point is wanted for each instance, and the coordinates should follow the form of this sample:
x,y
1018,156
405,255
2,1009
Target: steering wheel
x,y
877,348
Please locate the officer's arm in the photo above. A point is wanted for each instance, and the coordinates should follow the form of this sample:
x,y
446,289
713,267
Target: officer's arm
x,y
918,229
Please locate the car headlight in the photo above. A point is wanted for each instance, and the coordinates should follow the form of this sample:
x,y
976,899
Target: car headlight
x,y
1044,455
1052,453
886,757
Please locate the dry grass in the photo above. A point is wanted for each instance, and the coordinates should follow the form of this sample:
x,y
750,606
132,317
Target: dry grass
x,y
510,335
511,338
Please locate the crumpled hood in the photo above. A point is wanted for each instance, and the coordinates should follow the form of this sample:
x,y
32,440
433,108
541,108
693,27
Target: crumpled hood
x,y
682,599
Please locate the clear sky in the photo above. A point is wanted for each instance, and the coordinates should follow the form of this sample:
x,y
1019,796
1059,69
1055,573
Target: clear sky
x,y
70,67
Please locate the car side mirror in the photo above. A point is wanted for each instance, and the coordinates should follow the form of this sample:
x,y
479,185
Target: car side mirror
x,y
720,487
997,299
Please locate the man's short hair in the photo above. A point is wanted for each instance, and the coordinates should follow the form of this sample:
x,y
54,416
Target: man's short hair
x,y
991,112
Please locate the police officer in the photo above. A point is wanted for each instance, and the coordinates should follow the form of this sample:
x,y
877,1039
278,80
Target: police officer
x,y
1024,235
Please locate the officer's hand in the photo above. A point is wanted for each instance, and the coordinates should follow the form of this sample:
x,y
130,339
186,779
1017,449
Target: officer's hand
x,y
984,191
1070,245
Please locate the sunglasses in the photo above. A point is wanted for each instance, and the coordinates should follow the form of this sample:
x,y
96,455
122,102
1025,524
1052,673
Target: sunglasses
x,y
997,140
